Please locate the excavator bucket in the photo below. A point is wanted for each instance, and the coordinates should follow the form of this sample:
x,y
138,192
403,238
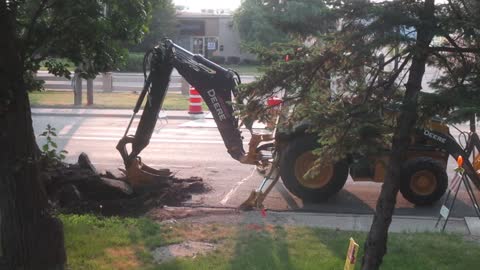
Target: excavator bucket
x,y
137,173
141,175
256,198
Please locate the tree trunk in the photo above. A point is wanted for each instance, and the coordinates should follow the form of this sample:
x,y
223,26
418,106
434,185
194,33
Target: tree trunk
x,y
30,238
376,244
89,92
77,89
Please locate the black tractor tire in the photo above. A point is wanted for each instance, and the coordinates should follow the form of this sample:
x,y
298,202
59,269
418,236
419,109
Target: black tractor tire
x,y
293,157
423,181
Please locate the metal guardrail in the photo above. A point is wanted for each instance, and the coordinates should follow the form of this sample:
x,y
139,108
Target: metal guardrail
x,y
107,82
119,82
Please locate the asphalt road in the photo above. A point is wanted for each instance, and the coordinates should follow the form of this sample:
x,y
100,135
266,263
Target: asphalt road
x,y
190,150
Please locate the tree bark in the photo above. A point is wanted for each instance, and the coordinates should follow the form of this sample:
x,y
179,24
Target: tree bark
x,y
30,238
89,92
376,244
77,89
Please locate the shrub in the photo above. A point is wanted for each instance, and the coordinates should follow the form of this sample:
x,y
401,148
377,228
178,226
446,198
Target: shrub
x,y
252,62
233,60
134,63
217,59
49,150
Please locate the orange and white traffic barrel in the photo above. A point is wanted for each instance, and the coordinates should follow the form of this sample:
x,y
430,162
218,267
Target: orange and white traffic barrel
x,y
195,103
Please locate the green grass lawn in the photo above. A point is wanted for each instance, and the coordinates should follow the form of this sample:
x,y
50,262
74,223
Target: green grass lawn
x,y
102,100
124,243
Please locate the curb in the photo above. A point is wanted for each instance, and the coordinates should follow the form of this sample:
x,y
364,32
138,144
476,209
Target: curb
x,y
186,117
108,113
344,222
347,222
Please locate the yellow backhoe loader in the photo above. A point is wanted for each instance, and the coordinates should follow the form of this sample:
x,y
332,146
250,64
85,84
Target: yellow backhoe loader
x,y
287,155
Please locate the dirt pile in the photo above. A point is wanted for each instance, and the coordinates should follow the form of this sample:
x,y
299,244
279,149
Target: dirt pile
x,y
80,188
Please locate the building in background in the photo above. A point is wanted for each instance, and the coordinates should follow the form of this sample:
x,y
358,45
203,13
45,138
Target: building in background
x,y
210,33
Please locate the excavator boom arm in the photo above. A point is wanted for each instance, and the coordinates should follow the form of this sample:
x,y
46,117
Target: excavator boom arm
x,y
214,83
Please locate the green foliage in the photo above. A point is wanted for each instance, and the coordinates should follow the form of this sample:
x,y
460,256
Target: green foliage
x,y
233,60
251,20
162,25
457,90
58,67
457,96
263,22
133,63
347,79
247,61
49,149
300,17
217,59
80,31
31,82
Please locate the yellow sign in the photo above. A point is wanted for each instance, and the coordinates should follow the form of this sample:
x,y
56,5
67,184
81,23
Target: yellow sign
x,y
351,255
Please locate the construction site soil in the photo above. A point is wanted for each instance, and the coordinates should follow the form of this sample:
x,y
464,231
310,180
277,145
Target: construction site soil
x,y
79,188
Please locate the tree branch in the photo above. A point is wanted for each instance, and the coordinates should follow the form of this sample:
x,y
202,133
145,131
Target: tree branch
x,y
454,10
388,84
445,62
392,79
393,58
454,44
35,17
466,8
454,50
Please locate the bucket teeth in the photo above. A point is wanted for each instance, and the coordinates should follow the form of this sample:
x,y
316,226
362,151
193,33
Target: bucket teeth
x,y
139,174
254,201
256,198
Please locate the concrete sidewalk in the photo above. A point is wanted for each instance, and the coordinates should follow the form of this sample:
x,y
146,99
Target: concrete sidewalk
x,y
465,226
86,112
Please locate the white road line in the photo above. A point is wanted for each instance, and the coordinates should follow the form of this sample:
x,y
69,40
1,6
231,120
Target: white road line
x,y
65,129
234,189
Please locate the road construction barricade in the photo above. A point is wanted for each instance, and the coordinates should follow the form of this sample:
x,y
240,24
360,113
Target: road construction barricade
x,y
195,105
